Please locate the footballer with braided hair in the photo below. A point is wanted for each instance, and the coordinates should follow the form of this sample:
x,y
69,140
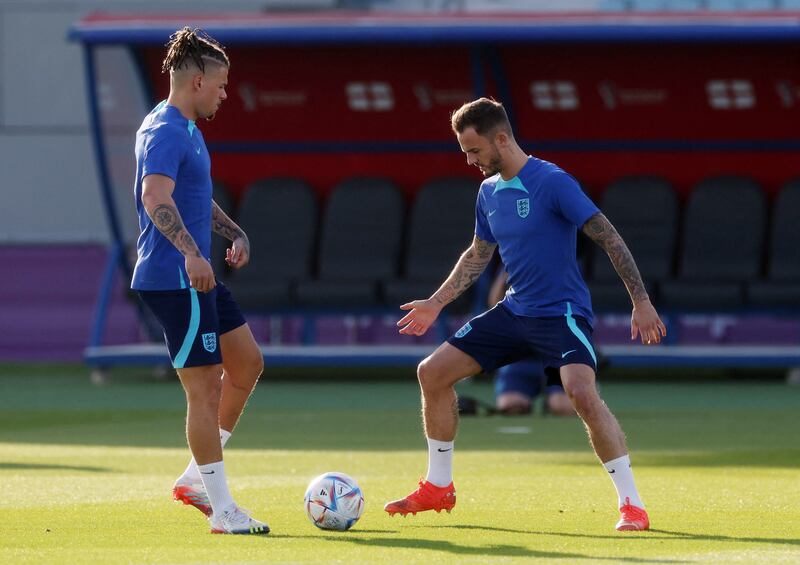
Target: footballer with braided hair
x,y
210,344
193,47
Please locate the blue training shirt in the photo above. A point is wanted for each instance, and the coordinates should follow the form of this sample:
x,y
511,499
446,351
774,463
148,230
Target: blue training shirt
x,y
169,144
534,219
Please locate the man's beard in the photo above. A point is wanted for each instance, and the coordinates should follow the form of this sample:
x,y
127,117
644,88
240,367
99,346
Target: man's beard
x,y
493,167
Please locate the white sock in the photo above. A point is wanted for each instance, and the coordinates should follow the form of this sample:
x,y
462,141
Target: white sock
x,y
224,436
216,484
440,462
192,473
619,470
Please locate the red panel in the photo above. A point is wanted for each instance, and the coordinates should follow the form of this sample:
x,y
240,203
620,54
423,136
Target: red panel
x,y
337,93
663,97
655,92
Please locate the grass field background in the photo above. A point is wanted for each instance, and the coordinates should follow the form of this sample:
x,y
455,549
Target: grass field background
x,y
86,473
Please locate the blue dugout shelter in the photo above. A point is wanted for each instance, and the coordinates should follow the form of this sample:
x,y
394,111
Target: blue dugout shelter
x,y
430,62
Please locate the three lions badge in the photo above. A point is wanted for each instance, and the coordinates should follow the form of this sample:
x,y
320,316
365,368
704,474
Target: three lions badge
x,y
210,342
523,207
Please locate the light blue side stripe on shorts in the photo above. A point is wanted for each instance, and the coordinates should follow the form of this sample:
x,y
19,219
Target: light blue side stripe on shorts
x,y
194,323
573,326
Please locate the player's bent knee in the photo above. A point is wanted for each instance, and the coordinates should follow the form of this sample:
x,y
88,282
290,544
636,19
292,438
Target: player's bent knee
x,y
583,396
424,373
445,367
257,365
210,391
202,384
430,375
250,375
203,400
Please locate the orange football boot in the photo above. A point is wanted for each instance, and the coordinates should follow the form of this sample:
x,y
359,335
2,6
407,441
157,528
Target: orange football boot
x,y
427,497
192,493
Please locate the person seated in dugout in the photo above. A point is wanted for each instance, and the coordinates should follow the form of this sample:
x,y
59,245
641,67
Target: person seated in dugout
x,y
517,386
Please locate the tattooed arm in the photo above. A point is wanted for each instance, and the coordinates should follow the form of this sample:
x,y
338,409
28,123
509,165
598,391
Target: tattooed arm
x,y
468,268
603,233
645,320
238,255
157,201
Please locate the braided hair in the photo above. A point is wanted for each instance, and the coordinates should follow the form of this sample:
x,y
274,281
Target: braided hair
x,y
187,46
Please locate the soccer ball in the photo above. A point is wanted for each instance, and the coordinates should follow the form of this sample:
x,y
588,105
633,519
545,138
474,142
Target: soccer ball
x,y
334,501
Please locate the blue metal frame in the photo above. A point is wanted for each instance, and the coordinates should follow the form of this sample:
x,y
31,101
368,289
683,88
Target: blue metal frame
x,y
100,150
141,71
477,35
104,296
725,29
116,257
476,57
503,89
408,356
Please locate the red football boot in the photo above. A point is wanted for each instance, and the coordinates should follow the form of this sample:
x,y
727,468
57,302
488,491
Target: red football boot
x,y
633,518
427,497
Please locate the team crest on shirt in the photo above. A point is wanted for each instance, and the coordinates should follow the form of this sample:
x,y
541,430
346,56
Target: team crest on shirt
x,y
465,329
523,207
210,342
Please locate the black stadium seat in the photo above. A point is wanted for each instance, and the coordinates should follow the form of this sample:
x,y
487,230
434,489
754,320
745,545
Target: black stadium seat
x,y
781,289
359,245
644,210
440,228
279,216
723,237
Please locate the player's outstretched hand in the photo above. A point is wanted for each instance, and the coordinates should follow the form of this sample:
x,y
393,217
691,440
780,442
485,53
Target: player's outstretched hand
x,y
646,324
423,313
238,254
201,275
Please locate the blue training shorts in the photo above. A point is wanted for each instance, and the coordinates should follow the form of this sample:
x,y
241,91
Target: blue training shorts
x,y
193,322
526,377
499,337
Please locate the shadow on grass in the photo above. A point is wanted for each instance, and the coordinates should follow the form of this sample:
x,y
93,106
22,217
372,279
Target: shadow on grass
x,y
710,537
48,467
330,534
649,535
493,550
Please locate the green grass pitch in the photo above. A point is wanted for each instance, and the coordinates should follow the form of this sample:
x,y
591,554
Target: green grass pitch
x,y
86,473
